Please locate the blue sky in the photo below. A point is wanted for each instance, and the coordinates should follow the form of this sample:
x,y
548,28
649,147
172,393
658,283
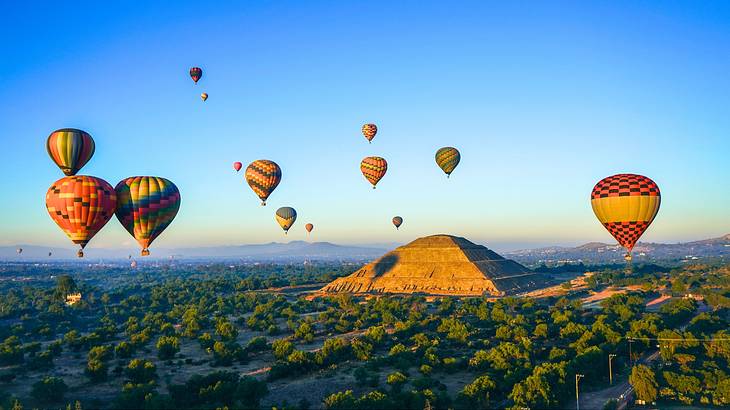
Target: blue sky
x,y
543,100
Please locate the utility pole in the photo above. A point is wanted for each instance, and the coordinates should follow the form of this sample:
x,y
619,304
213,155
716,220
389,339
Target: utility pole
x,y
610,373
631,360
577,402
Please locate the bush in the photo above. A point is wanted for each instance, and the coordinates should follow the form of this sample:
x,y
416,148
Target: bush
x,y
49,390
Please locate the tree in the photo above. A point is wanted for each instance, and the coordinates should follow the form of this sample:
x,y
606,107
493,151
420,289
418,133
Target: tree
x,y
226,330
643,380
340,400
65,285
479,391
167,347
49,390
282,348
397,380
96,370
141,371
611,404
304,332
543,389
250,391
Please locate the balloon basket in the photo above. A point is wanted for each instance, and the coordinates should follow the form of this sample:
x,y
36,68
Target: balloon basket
x,y
80,253
145,252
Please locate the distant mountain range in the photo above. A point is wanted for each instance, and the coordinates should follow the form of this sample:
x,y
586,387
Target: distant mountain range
x,y
596,252
268,252
593,252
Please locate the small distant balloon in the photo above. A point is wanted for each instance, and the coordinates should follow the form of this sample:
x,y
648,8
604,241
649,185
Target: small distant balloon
x,y
196,73
286,216
373,168
50,253
146,207
204,96
133,264
447,158
263,176
237,166
369,131
19,250
309,227
70,149
397,221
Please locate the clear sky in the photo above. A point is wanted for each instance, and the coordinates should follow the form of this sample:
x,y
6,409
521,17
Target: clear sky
x,y
543,99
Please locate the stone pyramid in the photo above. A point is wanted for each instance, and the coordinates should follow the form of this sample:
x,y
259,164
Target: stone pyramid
x,y
440,265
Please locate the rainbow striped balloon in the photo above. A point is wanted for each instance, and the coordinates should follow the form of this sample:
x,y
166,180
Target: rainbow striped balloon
x,y
373,168
447,158
286,216
70,149
146,206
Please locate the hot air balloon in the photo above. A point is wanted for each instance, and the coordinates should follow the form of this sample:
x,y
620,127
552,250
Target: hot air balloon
x,y
373,168
286,216
70,149
447,158
204,96
626,204
369,131
133,264
196,73
397,221
50,253
309,227
237,166
81,206
19,250
263,176
146,206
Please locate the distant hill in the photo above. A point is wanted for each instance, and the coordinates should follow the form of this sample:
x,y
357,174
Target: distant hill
x,y
268,252
596,252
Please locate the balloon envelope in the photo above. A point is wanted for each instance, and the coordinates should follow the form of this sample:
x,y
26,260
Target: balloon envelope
x,y
369,131
397,221
81,206
70,149
626,204
447,158
237,166
373,168
196,73
286,216
146,207
204,96
263,176
309,227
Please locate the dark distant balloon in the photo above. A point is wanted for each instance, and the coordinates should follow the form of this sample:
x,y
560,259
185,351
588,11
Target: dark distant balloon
x,y
447,158
626,204
369,131
373,168
397,221
286,216
196,73
70,149
237,166
81,205
309,227
19,250
49,253
263,176
204,96
147,206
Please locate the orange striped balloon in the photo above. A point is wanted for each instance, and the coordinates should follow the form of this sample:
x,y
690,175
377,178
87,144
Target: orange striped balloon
x,y
81,206
373,168
70,149
263,176
369,131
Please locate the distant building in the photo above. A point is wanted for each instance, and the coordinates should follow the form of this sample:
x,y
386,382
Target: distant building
x,y
73,298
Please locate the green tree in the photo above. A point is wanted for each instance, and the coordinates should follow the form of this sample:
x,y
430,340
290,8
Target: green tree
x,y
643,380
141,371
167,347
65,285
479,392
226,330
543,389
49,390
282,348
